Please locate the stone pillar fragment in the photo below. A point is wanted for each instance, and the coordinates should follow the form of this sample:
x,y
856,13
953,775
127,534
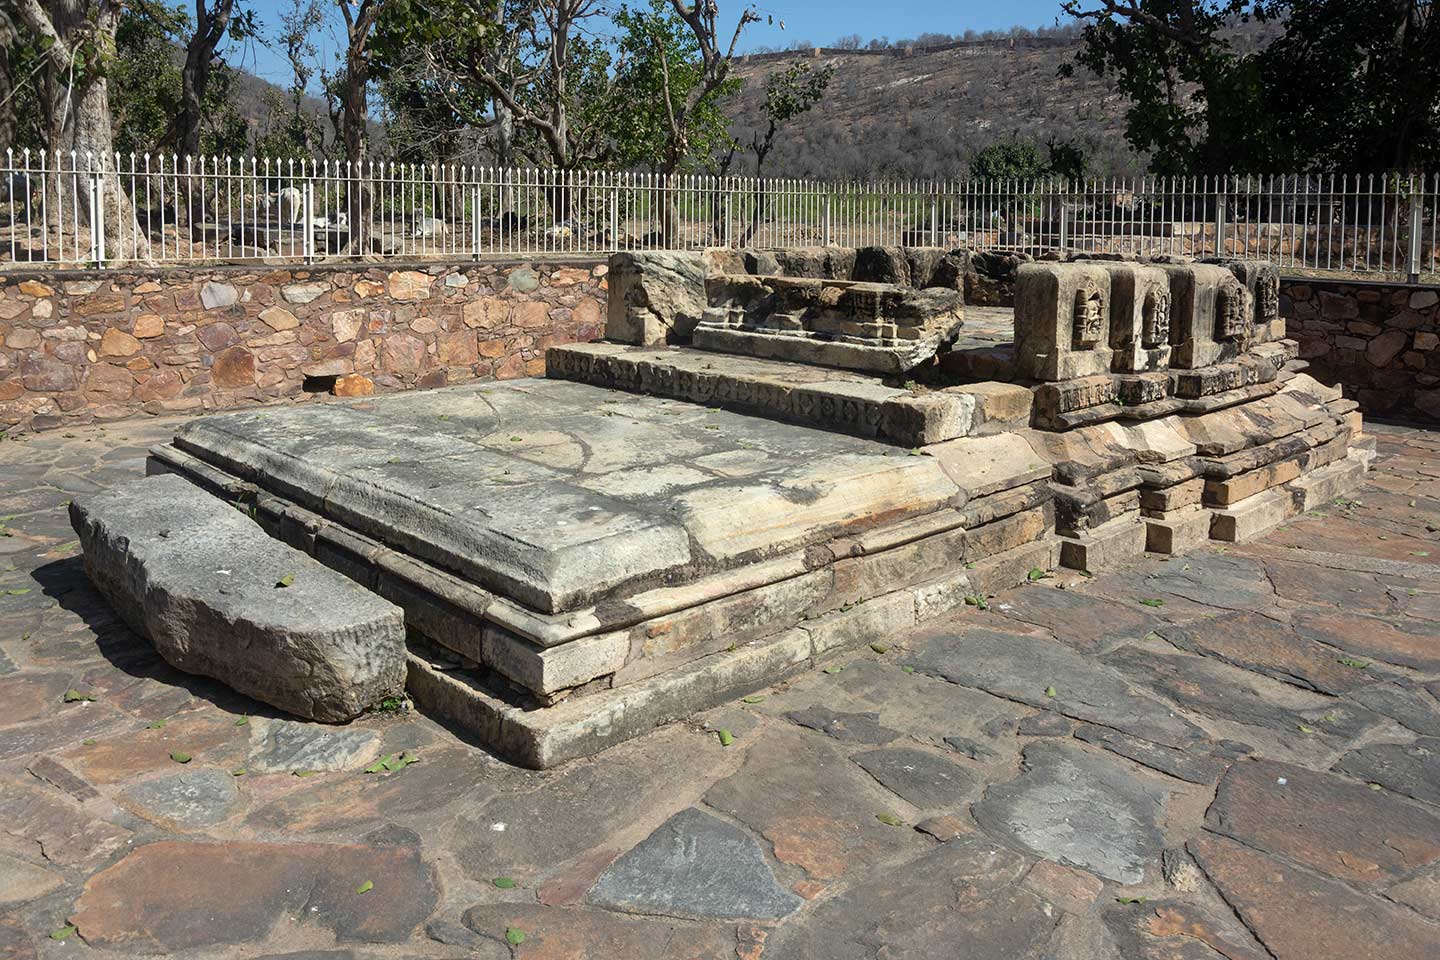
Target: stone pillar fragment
x,y
1062,320
1261,279
1209,315
1139,317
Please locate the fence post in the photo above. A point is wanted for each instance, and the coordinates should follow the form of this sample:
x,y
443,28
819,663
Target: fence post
x,y
1220,211
307,208
935,220
1064,223
97,215
615,219
1417,227
827,234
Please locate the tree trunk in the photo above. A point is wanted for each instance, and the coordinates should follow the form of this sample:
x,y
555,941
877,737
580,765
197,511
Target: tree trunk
x,y
210,27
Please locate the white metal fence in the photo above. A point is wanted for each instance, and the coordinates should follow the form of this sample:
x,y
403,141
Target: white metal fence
x,y
91,211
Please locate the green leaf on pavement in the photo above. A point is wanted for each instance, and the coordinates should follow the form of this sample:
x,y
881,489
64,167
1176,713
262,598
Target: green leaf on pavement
x,y
504,883
889,819
514,936
75,696
880,647
753,698
157,725
1152,602
285,581
1130,899
1036,574
238,772
726,737
834,668
365,887
1305,729
243,721
1049,691
908,669
64,933
179,756
1352,662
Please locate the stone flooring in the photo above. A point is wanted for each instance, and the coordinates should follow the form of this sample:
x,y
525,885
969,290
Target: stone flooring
x,y
1230,755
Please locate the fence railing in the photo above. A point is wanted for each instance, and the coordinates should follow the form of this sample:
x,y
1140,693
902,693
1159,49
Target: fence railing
x,y
82,210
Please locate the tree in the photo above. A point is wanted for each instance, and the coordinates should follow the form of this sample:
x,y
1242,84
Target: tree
x,y
213,19
1009,160
77,41
290,128
1349,85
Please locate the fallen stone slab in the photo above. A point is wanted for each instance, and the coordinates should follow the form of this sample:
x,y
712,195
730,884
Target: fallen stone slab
x,y
219,598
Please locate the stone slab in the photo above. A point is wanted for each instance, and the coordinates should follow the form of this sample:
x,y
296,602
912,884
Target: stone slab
x,y
204,583
559,494
1180,531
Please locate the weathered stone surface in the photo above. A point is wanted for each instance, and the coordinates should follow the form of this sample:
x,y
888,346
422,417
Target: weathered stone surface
x,y
655,297
816,808
1328,823
1022,668
172,895
234,368
1261,644
1421,893
965,892
1299,916
1369,637
117,343
695,866
851,727
354,385
1185,764
304,292
282,746
67,835
192,798
202,582
1404,702
1079,809
922,779
21,882
1080,620
216,295
278,319
1175,930
583,933
1409,768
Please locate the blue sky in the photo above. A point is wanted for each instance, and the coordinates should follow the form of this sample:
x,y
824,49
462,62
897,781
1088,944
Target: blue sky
x,y
816,21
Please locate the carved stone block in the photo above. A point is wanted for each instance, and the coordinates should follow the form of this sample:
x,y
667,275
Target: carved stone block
x,y
1139,317
1261,279
1062,320
1208,315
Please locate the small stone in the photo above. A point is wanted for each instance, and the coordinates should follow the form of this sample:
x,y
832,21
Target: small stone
x,y
195,798
234,368
1045,725
353,385
368,288
118,343
278,319
346,324
304,292
408,285
485,313
1067,888
922,779
944,827
454,280
21,882
973,749
523,280
403,353
1409,768
216,295
1423,299
695,866
148,326
34,288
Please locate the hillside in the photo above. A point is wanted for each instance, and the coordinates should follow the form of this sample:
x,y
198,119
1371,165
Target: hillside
x,y
925,112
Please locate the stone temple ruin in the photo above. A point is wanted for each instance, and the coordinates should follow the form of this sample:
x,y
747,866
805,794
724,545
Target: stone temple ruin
x,y
773,457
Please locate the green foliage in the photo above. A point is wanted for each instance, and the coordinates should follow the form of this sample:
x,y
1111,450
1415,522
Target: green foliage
x,y
1327,85
658,70
1022,160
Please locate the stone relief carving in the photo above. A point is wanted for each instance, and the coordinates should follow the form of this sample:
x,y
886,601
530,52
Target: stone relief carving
x,y
1089,317
1232,321
1267,299
1155,331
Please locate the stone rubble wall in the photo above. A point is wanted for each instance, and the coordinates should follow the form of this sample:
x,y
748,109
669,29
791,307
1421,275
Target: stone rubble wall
x,y
77,347
1382,341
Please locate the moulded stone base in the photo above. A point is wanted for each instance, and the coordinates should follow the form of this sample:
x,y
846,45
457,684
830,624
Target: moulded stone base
x,y
1251,518
1116,542
1178,532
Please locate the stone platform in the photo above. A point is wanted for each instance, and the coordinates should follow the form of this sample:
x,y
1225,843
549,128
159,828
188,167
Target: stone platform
x,y
636,558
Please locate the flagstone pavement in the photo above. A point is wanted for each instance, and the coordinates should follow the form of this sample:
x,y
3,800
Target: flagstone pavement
x,y
1230,755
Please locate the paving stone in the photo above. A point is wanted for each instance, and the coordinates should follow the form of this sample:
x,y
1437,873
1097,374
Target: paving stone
x,y
191,798
1409,768
81,721
973,749
697,866
65,834
280,746
57,775
1404,702
1216,580
209,736
1322,586
816,808
16,943
944,827
1228,693
1067,888
1300,916
1022,668
848,727
1175,930
922,779
21,881
965,892
1372,638
1259,643
554,933
175,895
1045,725
1189,765
1329,823
1080,938
1081,620
549,819
1078,809
1422,893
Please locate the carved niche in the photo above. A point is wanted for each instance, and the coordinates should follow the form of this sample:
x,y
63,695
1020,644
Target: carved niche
x,y
1155,317
1232,319
1267,299
1089,317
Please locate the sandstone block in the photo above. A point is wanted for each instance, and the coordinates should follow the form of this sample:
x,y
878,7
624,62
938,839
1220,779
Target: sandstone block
x,y
202,581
